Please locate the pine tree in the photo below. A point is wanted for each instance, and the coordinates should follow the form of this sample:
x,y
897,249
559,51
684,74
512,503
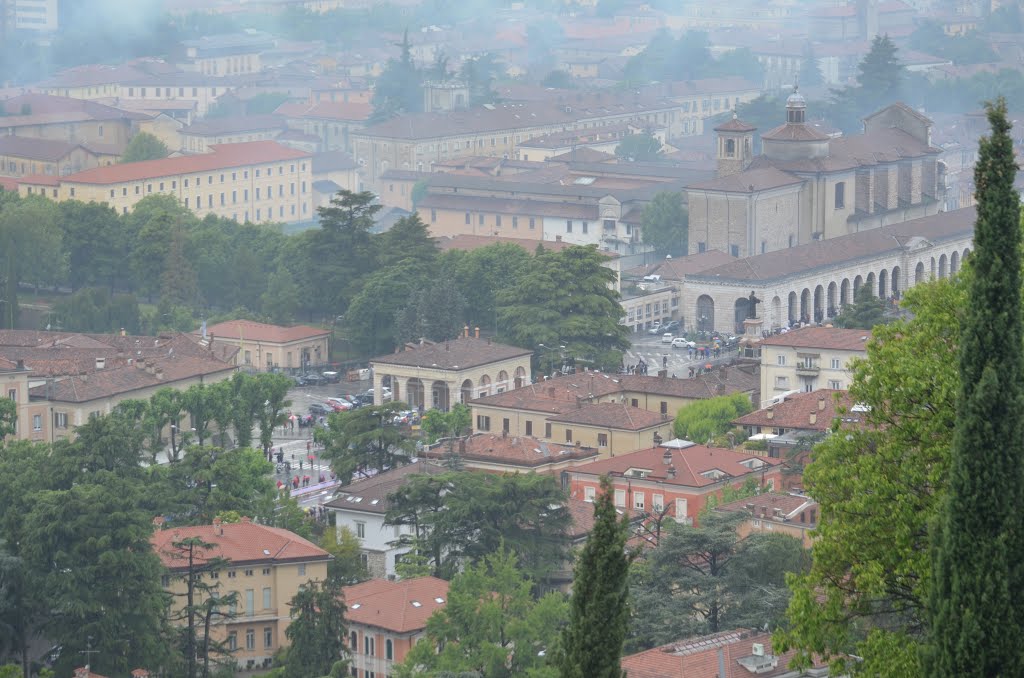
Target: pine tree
x,y
974,608
592,642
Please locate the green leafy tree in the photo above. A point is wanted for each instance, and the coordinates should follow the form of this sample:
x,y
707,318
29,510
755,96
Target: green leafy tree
x,y
19,612
8,417
95,309
641,146
879,487
976,621
399,87
451,424
30,250
435,312
703,420
179,285
269,400
375,310
144,146
347,566
317,630
866,311
481,274
94,244
706,579
566,298
281,299
149,228
341,253
592,642
479,74
490,626
365,439
664,223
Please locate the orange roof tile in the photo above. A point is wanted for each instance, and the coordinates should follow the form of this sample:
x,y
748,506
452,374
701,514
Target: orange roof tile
x,y
223,156
250,330
794,412
244,542
397,606
834,338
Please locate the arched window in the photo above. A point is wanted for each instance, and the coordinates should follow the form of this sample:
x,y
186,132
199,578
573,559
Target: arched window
x,y
730,148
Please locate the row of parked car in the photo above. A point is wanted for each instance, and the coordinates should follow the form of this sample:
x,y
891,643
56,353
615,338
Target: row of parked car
x,y
316,378
341,403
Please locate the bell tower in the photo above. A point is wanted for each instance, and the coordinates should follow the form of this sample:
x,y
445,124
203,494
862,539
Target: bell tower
x,y
735,146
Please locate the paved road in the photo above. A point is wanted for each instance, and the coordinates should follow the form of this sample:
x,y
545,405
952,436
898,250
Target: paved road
x,y
676,360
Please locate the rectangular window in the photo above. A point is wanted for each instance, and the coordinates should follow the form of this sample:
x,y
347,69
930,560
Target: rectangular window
x,y
433,216
250,639
60,419
529,428
602,440
780,360
302,570
468,219
782,382
505,425
12,394
368,645
568,435
620,498
568,225
515,222
233,641
266,570
837,364
585,226
664,407
840,195
267,603
37,422
702,247
734,250
589,493
547,430
638,500
834,384
268,637
658,502
483,423
533,223
497,220
681,509
222,200
361,530
480,220
250,602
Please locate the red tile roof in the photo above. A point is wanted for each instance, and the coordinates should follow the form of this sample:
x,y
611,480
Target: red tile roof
x,y
241,543
524,451
222,156
398,606
689,463
792,508
612,415
833,338
795,411
250,330
700,657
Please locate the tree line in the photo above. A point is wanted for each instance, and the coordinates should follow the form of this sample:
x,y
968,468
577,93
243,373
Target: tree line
x,y
159,267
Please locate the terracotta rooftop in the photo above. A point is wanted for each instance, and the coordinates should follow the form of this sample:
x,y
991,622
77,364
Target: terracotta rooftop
x,y
582,514
830,252
612,415
222,156
748,181
832,338
792,508
795,412
522,451
107,382
371,495
398,606
735,125
459,353
700,657
250,330
241,543
794,132
690,463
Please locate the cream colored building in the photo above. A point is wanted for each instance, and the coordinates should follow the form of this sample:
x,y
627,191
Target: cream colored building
x,y
266,347
265,569
258,181
439,375
808,186
14,386
810,358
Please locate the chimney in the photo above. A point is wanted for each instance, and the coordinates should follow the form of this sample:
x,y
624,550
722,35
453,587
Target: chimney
x,y
476,332
149,367
770,413
158,522
20,365
101,363
814,418
246,520
821,403
671,472
551,391
667,458
465,331
218,527
159,374
123,333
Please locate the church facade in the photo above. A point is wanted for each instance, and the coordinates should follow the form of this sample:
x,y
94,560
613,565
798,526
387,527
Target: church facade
x,y
807,186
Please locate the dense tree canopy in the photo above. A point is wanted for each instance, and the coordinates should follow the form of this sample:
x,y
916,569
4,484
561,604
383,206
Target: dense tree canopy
x,y
144,146
664,224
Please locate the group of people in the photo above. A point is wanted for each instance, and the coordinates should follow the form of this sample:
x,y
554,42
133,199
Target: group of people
x,y
705,352
639,368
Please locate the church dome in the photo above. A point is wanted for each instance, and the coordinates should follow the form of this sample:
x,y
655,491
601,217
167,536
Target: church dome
x,y
796,100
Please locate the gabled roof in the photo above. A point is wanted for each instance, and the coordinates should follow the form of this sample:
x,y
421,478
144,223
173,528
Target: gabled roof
x,y
250,330
397,606
749,181
45,150
794,412
371,495
233,125
792,508
689,463
612,415
222,156
455,354
241,543
521,451
827,338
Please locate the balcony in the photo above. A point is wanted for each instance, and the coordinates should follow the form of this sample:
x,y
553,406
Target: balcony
x,y
804,370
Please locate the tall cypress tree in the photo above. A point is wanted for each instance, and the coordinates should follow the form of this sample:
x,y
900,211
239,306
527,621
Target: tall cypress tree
x,y
592,642
975,611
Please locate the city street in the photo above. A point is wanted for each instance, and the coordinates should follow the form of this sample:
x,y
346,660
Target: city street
x,y
652,351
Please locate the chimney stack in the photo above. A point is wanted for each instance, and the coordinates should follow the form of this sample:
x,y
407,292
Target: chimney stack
x,y
159,374
465,331
218,527
20,365
770,413
672,473
814,418
667,458
821,403
101,363
150,369
123,333
476,332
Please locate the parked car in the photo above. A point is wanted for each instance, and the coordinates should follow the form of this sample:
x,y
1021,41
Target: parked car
x,y
319,410
299,379
667,338
671,326
314,379
655,328
364,398
340,404
385,393
683,342
332,377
